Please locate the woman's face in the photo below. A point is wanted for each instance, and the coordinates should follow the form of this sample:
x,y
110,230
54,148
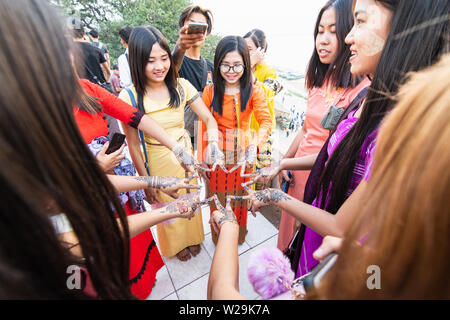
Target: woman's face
x,y
232,67
327,45
368,36
158,64
250,45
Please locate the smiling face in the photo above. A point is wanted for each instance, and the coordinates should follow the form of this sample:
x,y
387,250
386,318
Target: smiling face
x,y
368,36
327,44
232,59
158,64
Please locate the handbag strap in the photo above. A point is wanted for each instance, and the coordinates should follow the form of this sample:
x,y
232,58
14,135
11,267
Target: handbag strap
x,y
205,72
140,107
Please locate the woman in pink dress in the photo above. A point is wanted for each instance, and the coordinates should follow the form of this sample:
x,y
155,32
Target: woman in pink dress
x,y
331,88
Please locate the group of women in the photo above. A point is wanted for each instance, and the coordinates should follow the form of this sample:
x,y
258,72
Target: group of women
x,y
56,169
380,43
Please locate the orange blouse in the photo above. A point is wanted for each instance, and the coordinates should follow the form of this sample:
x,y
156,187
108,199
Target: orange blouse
x,y
232,118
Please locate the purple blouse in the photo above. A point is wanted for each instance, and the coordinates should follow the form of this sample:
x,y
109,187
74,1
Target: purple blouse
x,y
313,240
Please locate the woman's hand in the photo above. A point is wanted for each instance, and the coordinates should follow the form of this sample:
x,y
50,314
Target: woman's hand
x,y
151,195
214,156
185,207
258,199
169,185
109,161
266,174
186,159
256,57
329,244
285,177
247,161
222,215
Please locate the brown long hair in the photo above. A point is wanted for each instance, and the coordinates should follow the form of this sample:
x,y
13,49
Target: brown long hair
x,y
44,158
406,202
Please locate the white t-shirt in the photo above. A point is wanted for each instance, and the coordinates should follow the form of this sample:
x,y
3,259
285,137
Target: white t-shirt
x,y
124,70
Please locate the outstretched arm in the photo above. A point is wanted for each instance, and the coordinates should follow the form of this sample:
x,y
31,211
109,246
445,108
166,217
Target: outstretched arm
x,y
317,219
168,185
223,283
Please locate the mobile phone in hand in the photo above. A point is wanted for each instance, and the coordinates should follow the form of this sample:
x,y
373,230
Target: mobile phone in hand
x,y
116,142
313,279
197,27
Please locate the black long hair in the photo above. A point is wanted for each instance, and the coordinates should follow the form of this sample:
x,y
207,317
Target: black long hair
x,y
337,72
415,41
258,38
140,47
226,45
46,161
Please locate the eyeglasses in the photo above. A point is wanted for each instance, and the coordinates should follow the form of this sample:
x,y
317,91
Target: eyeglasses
x,y
238,68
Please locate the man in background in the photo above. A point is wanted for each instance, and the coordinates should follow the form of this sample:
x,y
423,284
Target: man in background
x,y
96,43
123,60
89,60
188,60
115,80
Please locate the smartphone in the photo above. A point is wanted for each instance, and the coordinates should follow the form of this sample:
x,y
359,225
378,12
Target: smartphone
x,y
312,279
286,183
197,27
116,142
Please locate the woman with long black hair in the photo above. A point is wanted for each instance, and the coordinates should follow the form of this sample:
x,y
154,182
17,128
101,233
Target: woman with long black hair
x,y
389,39
48,172
331,89
232,100
159,93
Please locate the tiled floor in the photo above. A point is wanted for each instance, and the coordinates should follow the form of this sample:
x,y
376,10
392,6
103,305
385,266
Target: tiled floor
x,y
188,280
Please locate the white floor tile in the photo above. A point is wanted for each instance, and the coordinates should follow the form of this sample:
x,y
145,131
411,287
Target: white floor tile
x,y
173,296
196,290
163,286
211,247
185,272
259,230
245,287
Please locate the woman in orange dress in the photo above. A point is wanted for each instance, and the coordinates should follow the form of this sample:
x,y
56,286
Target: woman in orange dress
x,y
232,100
329,84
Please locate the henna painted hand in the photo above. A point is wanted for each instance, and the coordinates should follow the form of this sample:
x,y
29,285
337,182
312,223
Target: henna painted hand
x,y
247,161
258,199
169,185
214,156
185,158
265,174
222,215
184,207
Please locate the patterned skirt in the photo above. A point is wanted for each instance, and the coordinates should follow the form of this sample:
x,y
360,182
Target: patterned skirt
x,y
229,184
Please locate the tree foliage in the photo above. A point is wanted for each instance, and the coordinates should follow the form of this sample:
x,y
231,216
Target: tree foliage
x,y
109,16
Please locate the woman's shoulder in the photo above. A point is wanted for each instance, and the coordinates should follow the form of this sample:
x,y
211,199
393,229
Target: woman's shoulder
x,y
265,71
88,86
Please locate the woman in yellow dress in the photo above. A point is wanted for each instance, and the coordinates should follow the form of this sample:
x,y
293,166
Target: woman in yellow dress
x,y
160,94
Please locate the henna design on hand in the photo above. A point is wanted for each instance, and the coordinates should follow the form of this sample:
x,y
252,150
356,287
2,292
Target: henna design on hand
x,y
183,156
271,196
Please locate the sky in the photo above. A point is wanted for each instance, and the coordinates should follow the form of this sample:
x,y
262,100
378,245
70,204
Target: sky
x,y
288,25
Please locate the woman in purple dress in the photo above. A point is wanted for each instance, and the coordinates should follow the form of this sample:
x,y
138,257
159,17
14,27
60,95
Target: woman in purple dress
x,y
380,43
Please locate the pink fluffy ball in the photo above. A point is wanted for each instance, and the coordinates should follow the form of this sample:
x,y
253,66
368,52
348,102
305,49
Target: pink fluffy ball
x,y
266,268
